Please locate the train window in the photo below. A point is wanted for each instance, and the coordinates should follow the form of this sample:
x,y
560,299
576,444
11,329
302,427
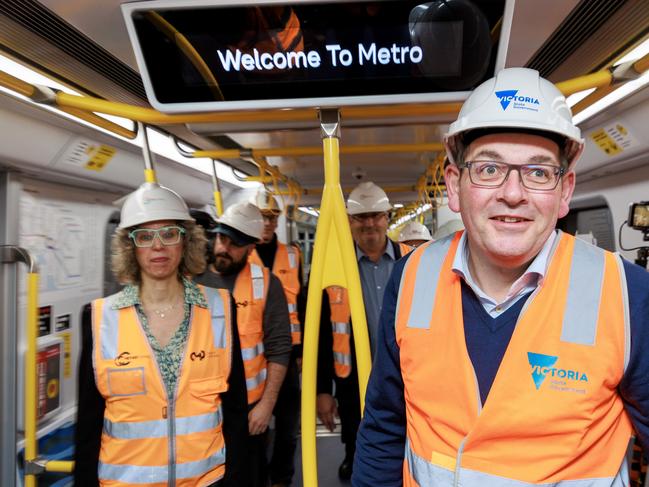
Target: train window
x,y
591,215
234,55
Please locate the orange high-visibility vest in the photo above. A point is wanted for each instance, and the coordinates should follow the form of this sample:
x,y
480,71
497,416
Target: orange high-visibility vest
x,y
250,290
553,414
286,267
149,438
341,323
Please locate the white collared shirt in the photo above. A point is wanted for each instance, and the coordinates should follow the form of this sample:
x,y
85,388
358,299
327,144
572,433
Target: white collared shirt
x,y
530,280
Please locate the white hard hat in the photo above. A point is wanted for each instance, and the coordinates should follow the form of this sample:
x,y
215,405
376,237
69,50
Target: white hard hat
x,y
265,201
243,217
448,228
517,98
152,202
414,231
367,197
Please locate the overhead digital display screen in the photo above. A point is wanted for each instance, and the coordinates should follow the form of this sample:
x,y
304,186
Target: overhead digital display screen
x,y
237,55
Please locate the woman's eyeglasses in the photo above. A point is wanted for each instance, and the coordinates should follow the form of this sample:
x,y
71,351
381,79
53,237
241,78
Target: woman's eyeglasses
x,y
144,237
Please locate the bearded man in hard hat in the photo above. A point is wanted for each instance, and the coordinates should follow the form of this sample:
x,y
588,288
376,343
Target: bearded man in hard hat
x,y
414,234
511,353
368,208
284,261
263,325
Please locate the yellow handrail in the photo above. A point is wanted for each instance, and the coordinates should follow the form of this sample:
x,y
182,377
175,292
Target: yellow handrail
x,y
334,246
31,449
316,150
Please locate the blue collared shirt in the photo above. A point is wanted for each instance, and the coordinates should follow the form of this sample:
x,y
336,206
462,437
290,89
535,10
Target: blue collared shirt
x,y
529,281
374,277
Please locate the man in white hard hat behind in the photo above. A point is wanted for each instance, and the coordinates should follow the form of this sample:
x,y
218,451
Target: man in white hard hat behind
x,y
284,261
414,234
368,208
262,321
511,353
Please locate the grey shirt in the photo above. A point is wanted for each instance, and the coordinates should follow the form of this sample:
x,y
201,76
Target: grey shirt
x,y
276,324
374,277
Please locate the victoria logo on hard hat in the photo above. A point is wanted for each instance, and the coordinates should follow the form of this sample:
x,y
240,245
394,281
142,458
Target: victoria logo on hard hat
x,y
506,97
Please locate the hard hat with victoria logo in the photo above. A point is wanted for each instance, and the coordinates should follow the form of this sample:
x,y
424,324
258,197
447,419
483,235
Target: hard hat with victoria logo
x,y
519,99
367,197
266,202
414,231
152,202
244,218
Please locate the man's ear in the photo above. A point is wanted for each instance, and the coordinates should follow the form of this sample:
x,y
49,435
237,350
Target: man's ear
x,y
567,188
452,175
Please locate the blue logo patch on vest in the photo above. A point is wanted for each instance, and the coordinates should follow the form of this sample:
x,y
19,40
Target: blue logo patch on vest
x,y
505,97
543,365
540,364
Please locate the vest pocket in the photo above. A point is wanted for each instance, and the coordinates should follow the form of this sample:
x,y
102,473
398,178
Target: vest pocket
x,y
204,388
126,382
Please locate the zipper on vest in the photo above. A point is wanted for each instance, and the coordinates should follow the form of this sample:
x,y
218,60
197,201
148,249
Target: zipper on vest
x,y
171,421
458,461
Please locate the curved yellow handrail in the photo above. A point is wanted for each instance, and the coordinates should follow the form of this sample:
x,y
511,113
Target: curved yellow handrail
x,y
333,246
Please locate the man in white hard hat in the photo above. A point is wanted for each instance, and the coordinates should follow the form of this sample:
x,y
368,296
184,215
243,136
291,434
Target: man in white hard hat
x,y
511,354
284,262
262,321
414,234
368,208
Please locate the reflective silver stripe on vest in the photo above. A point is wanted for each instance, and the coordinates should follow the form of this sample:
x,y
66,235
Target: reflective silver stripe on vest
x,y
252,352
292,308
425,290
295,328
109,330
134,474
257,274
584,293
340,327
292,257
428,475
625,303
256,381
217,312
159,428
343,359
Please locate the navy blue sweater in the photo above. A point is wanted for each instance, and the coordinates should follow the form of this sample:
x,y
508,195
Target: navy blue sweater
x,y
382,435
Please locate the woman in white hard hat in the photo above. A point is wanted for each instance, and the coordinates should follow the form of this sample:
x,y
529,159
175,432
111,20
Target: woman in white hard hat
x,y
414,234
155,356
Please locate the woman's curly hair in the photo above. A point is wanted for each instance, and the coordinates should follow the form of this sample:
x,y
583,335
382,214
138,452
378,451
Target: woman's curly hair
x,y
126,269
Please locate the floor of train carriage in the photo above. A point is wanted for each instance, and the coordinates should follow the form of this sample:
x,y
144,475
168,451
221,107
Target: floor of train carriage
x,y
331,453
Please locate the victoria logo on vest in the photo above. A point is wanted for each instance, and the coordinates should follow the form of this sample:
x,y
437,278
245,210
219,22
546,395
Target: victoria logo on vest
x,y
543,367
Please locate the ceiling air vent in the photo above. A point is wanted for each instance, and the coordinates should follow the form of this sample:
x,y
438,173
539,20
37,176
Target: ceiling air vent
x,y
24,21
595,33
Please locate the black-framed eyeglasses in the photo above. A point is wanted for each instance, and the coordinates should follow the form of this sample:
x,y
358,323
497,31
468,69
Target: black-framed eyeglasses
x,y
492,174
169,235
375,216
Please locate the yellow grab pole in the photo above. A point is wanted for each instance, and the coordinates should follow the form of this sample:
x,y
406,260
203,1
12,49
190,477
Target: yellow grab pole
x,y
334,264
31,451
149,170
218,200
59,466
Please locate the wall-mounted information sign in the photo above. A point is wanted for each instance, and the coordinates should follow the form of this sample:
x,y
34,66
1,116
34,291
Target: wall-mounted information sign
x,y
197,56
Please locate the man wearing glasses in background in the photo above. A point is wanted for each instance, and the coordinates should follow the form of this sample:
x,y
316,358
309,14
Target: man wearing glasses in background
x,y
511,353
368,208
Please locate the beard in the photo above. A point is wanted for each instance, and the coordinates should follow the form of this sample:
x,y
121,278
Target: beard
x,y
225,265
